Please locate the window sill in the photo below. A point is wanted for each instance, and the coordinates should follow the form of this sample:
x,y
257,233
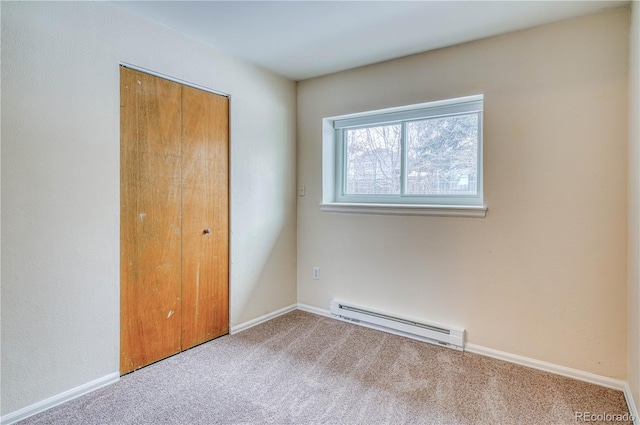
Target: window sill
x,y
399,209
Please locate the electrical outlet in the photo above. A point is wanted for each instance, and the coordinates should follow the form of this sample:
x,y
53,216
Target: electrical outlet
x,y
316,273
301,190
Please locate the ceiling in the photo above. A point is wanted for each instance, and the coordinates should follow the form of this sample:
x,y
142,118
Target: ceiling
x,y
305,39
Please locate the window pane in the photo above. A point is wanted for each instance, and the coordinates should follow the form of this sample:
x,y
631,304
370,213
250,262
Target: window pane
x,y
442,156
373,160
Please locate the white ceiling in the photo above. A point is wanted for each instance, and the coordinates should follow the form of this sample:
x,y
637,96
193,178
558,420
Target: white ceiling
x,y
304,39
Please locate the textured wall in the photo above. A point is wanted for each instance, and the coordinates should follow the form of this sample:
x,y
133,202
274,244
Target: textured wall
x,y
60,185
544,275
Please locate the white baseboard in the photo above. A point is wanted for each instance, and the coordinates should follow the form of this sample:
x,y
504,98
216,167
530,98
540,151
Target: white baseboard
x,y
258,320
633,409
50,402
314,310
580,375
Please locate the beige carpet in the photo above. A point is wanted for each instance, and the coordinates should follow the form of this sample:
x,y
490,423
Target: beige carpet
x,y
306,369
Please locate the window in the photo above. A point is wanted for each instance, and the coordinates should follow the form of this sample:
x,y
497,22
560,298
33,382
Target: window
x,y
417,159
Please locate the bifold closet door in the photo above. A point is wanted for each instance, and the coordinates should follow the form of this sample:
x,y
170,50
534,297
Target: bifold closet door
x,y
150,219
205,209
174,218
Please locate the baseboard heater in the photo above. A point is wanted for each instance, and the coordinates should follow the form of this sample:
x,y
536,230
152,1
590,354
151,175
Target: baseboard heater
x,y
431,332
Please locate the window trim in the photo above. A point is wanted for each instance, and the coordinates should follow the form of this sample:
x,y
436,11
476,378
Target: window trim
x,y
333,165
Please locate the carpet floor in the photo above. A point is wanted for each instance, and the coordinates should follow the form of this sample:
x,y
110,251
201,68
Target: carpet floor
x,y
301,368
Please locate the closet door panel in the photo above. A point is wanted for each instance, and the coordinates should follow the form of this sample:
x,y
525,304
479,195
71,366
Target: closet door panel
x,y
150,260
205,234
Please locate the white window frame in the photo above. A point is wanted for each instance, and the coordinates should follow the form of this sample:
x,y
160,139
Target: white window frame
x,y
333,164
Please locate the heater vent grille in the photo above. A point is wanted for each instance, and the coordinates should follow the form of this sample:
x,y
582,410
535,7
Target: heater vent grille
x,y
395,319
435,333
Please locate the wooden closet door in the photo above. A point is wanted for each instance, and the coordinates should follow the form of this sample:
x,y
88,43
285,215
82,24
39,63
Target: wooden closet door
x,y
174,213
205,208
150,214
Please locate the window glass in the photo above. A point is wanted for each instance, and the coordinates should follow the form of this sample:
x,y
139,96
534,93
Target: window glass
x,y
373,160
442,156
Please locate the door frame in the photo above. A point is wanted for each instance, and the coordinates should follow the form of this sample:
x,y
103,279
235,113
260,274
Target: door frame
x,y
179,81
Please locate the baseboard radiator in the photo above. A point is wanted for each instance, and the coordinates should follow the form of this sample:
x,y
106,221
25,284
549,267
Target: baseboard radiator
x,y
431,332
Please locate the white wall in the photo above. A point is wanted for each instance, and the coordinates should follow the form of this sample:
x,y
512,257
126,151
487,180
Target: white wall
x,y
544,275
60,185
634,208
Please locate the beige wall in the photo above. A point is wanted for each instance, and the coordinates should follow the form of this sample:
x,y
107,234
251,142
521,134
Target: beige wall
x,y
544,275
634,209
60,185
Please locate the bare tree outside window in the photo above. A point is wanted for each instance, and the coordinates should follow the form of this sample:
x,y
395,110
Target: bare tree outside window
x,y
442,156
373,160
